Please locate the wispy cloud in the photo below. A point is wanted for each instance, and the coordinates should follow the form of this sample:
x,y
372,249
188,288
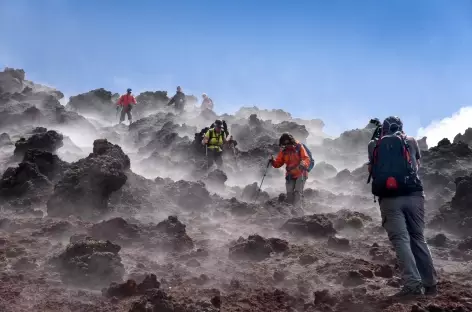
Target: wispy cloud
x,y
447,127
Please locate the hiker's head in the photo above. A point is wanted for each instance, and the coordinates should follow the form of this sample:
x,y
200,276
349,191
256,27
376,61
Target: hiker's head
x,y
286,139
128,91
204,95
391,125
179,89
218,124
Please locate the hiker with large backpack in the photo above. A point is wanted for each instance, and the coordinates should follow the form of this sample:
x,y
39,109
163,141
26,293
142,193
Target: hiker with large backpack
x,y
298,160
214,139
394,160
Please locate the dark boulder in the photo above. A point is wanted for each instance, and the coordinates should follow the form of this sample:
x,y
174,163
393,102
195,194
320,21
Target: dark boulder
x,y
48,164
315,225
96,102
86,186
90,263
49,141
26,179
188,195
256,248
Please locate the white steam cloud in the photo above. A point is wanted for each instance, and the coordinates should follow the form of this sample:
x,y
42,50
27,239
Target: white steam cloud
x,y
448,127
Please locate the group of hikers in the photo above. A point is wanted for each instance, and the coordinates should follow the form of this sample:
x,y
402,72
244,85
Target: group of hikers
x,y
394,160
126,102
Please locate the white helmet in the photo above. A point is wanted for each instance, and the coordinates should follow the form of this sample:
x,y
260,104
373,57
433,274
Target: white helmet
x,y
204,95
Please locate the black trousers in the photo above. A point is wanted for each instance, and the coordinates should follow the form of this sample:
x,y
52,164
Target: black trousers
x,y
214,157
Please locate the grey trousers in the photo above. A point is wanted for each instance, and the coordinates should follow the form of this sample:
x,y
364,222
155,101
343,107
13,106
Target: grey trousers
x,y
126,111
294,188
403,219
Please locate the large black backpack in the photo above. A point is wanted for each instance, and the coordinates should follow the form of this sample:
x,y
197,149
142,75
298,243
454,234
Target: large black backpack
x,y
392,170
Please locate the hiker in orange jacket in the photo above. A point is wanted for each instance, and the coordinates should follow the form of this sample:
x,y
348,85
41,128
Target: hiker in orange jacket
x,y
296,159
126,101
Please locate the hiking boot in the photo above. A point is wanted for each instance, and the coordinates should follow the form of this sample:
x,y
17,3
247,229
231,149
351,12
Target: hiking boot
x,y
409,292
431,290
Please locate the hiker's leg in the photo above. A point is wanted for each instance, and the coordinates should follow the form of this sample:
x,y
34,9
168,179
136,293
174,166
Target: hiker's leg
x,y
393,220
414,214
298,190
219,159
130,117
122,115
290,187
210,158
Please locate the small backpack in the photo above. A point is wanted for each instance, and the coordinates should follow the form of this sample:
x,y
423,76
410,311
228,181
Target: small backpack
x,y
312,161
392,170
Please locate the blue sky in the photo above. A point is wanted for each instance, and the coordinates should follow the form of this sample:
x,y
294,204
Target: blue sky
x,y
342,61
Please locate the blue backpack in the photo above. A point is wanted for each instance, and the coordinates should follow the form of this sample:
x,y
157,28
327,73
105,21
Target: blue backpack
x,y
312,161
392,170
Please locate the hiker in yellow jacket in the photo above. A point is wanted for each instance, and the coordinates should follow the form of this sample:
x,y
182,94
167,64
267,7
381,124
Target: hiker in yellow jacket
x,y
214,139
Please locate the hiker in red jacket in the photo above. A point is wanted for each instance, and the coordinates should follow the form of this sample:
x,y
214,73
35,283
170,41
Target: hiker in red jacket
x,y
126,101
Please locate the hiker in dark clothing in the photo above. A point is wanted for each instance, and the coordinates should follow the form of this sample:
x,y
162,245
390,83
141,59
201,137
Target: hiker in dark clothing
x,y
394,162
179,100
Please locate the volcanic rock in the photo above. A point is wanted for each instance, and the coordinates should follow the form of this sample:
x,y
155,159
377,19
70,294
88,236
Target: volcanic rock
x,y
314,225
189,195
85,188
26,179
256,248
90,262
324,170
49,142
96,102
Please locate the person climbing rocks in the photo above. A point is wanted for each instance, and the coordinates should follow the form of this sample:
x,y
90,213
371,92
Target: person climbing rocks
x,y
125,102
214,139
394,160
207,103
179,100
294,155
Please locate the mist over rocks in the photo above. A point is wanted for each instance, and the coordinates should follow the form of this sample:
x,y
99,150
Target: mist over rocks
x,y
133,209
99,102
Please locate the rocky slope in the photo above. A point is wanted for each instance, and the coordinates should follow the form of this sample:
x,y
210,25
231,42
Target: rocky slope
x,y
96,216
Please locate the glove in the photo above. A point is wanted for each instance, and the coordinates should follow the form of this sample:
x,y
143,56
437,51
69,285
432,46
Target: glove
x,y
117,108
271,159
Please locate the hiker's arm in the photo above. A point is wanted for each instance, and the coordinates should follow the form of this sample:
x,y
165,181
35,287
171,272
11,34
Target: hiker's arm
x,y
279,160
206,137
120,101
304,159
133,99
172,100
370,153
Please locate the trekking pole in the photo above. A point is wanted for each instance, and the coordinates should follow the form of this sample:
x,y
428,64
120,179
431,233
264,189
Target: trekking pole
x,y
206,154
263,177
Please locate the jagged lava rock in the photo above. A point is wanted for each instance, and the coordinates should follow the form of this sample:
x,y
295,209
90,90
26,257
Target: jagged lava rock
x,y
49,141
324,170
315,225
90,263
99,101
86,186
456,216
256,247
48,164
188,195
26,179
